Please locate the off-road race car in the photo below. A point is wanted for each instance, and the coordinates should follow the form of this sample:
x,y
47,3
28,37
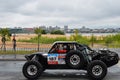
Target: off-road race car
x,y
70,55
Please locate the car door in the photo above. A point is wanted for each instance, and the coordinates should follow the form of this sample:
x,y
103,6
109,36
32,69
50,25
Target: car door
x,y
56,55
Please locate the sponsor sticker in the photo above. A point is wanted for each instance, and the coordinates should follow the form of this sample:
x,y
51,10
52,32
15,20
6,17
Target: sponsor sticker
x,y
56,58
61,55
61,61
61,58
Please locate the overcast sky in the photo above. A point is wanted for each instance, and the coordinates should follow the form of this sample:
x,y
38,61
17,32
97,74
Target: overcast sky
x,y
74,13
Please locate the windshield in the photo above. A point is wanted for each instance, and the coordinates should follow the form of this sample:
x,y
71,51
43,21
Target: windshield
x,y
87,47
81,47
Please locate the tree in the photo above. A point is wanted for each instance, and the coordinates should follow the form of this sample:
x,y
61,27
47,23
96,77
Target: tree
x,y
75,36
79,38
57,32
92,39
38,31
44,32
4,33
108,40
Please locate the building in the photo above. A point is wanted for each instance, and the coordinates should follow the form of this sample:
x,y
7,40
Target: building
x,y
65,29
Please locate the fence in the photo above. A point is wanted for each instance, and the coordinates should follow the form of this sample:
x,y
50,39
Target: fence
x,y
46,47
8,52
23,49
26,47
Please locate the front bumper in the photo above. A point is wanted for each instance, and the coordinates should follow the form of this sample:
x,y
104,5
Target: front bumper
x,y
112,60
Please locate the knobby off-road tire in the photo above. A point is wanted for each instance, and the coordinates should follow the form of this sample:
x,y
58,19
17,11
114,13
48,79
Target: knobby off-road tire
x,y
75,59
32,70
97,70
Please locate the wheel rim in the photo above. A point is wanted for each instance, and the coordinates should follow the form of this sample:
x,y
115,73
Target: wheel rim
x,y
32,70
97,70
74,59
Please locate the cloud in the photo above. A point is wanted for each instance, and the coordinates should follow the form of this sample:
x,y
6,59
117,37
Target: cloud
x,y
31,13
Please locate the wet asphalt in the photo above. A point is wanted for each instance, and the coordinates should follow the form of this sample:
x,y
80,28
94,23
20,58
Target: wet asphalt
x,y
12,70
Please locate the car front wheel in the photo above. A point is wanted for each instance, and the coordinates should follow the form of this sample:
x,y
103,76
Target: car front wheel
x,y
97,70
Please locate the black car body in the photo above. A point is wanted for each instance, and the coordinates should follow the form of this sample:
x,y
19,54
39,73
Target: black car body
x,y
71,55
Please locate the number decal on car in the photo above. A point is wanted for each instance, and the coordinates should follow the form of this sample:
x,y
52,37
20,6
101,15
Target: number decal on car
x,y
52,58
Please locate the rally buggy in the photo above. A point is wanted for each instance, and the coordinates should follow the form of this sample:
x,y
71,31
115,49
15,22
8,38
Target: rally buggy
x,y
70,55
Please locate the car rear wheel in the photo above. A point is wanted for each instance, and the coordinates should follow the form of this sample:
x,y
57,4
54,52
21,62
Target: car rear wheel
x,y
97,70
32,69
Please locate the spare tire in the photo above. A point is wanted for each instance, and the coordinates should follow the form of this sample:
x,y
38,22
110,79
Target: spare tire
x,y
75,59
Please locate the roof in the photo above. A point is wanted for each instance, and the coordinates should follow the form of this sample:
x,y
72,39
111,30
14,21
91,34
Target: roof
x,y
65,42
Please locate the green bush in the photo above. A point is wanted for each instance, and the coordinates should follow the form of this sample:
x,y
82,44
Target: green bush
x,y
44,40
112,38
44,32
79,38
47,40
108,40
57,32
